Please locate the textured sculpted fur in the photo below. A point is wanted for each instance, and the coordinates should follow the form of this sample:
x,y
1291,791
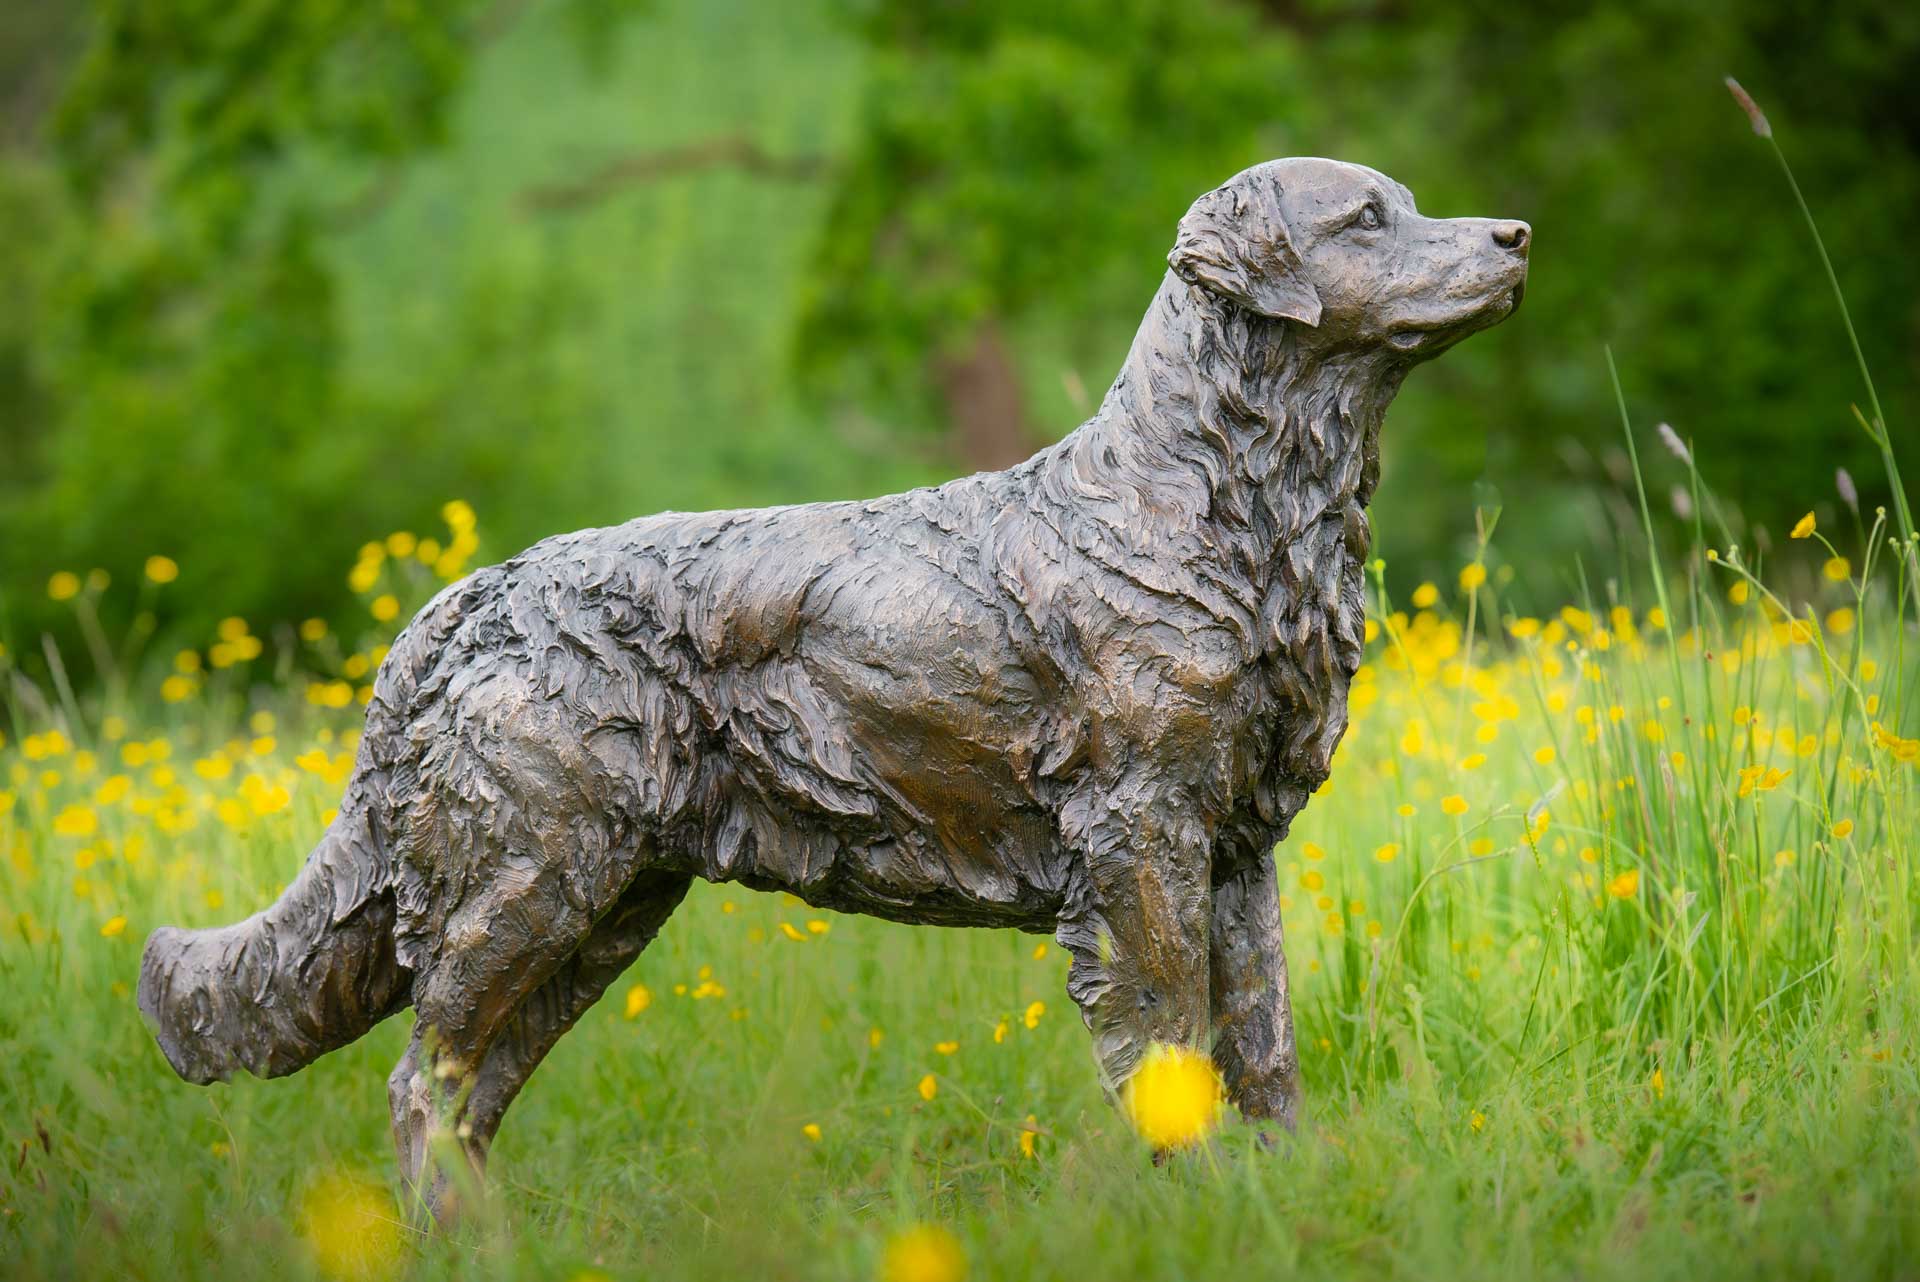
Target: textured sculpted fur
x,y
1084,696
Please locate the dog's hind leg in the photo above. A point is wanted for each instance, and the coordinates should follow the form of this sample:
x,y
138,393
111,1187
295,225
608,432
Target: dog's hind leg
x,y
1252,1011
497,951
513,857
553,1008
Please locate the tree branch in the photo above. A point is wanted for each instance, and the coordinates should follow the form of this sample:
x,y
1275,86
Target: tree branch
x,y
729,151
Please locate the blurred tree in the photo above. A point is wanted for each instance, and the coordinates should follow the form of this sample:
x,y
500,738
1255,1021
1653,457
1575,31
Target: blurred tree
x,y
278,286
1019,168
1661,227
1012,158
188,331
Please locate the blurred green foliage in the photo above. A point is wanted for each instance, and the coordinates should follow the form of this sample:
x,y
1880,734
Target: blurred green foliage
x,y
282,275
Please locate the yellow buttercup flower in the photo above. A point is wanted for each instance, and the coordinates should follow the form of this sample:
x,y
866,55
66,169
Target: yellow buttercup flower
x,y
1626,885
76,821
1174,1098
639,997
64,586
928,1087
1034,1011
1843,830
162,569
812,1131
1454,805
351,1227
1803,528
1472,576
1388,853
924,1253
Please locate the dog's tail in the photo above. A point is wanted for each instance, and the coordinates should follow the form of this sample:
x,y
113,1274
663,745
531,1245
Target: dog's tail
x,y
305,976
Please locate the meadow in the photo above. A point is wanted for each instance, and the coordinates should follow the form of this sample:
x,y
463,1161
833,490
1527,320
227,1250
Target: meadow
x,y
1602,938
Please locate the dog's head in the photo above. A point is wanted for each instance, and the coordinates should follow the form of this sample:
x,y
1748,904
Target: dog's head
x,y
1341,250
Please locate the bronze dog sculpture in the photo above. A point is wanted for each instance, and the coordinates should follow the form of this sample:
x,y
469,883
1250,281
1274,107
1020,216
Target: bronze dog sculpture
x,y
1085,696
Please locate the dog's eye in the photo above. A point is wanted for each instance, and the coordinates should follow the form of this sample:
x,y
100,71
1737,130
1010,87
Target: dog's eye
x,y
1369,218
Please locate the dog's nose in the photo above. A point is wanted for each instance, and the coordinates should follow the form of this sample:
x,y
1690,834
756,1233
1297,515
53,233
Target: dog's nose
x,y
1512,236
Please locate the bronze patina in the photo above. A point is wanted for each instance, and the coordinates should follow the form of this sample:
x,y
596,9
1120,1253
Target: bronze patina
x,y
1084,696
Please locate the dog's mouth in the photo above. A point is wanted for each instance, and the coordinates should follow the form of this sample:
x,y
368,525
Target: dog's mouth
x,y
1428,336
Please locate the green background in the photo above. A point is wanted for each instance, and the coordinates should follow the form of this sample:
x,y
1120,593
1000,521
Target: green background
x,y
283,275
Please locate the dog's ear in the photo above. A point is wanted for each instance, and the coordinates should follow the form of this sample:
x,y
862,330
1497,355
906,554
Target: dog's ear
x,y
1236,244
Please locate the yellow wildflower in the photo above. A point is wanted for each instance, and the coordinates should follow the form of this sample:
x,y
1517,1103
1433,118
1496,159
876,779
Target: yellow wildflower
x,y
928,1087
1034,1011
1388,853
1472,575
114,926
924,1253
76,821
352,1228
1626,885
1453,805
1843,830
1803,528
162,569
1173,1098
639,997
812,1131
63,586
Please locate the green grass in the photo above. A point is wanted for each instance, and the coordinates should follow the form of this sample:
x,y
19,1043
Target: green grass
x,y
1480,1034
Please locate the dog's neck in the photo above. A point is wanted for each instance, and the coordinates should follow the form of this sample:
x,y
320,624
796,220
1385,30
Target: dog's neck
x,y
1228,471
1224,419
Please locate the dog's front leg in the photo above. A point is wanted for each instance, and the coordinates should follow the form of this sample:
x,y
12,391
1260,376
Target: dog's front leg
x,y
1252,1011
1136,926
